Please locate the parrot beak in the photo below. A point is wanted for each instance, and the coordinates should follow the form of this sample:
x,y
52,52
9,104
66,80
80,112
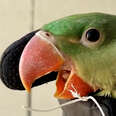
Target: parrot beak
x,y
69,85
40,57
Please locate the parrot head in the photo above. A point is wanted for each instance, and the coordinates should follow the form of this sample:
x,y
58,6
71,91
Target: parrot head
x,y
81,48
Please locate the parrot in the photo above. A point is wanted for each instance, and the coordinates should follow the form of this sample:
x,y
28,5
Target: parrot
x,y
81,48
77,51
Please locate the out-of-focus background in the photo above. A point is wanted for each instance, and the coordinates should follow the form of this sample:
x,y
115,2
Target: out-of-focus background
x,y
18,17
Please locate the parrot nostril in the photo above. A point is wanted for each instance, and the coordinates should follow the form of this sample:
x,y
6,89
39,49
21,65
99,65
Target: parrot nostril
x,y
47,34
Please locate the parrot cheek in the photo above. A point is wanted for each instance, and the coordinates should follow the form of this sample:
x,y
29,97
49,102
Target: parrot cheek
x,y
39,58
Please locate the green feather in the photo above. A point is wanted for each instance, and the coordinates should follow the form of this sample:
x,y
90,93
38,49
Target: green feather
x,y
96,65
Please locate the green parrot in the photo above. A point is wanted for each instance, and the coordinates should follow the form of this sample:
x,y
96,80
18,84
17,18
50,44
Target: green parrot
x,y
81,48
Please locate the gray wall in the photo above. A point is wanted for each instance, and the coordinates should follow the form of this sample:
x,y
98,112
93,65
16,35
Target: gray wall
x,y
15,21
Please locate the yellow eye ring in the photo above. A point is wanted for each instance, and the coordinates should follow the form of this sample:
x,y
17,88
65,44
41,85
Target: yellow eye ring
x,y
91,37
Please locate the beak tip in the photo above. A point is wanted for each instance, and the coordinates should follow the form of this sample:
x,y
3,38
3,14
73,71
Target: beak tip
x,y
28,89
27,86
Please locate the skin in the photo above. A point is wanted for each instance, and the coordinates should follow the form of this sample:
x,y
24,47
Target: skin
x,y
95,63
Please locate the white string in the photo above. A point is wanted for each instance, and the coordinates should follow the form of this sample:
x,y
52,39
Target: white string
x,y
52,109
75,95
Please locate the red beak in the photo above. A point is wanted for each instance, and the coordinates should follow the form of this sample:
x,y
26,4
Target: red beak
x,y
41,57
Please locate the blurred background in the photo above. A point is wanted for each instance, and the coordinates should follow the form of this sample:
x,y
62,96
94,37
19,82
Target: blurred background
x,y
18,17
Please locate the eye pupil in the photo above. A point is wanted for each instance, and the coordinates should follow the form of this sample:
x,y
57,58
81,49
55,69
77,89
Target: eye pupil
x,y
92,35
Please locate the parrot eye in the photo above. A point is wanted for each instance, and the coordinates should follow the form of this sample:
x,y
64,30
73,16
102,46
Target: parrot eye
x,y
91,37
